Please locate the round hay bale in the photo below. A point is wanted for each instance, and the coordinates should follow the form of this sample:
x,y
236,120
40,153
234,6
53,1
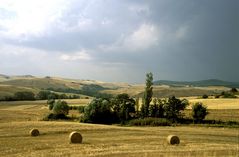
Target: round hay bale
x,y
173,139
34,132
75,137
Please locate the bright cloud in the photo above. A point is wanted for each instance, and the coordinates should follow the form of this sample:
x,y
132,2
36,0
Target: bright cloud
x,y
144,37
30,17
82,55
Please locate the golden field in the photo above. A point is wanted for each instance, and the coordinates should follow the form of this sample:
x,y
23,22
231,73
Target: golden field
x,y
17,118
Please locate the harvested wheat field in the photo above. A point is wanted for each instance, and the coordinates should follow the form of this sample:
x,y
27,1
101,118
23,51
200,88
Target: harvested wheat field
x,y
106,140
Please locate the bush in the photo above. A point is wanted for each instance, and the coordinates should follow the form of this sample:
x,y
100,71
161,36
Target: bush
x,y
60,107
150,122
156,110
205,96
173,107
73,107
234,90
229,95
98,111
199,112
123,106
81,109
25,95
52,116
43,95
50,103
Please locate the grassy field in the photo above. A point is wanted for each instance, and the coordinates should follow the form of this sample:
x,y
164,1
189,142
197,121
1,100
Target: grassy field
x,y
17,118
222,103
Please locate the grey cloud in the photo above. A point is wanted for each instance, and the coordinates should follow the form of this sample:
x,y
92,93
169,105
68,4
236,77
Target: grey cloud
x,y
198,39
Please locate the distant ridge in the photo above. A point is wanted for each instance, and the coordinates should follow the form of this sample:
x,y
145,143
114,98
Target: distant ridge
x,y
4,76
201,83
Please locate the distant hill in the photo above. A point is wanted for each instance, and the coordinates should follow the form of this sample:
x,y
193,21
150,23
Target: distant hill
x,y
163,88
12,84
202,83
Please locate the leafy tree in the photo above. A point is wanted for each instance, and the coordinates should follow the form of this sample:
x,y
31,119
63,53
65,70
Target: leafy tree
x,y
137,107
147,95
234,90
173,108
52,96
199,111
63,96
205,96
25,95
98,111
43,95
156,110
123,106
50,103
60,107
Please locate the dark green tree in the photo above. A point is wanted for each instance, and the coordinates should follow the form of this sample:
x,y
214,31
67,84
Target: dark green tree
x,y
199,112
43,95
173,107
123,106
148,93
50,103
60,108
24,95
156,110
234,90
98,111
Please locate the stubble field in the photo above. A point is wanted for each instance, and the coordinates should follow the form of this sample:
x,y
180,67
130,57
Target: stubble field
x,y
17,118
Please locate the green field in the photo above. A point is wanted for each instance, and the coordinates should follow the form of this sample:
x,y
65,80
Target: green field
x,y
17,118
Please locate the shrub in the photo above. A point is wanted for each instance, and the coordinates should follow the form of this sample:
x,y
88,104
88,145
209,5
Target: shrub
x,y
205,96
25,95
73,107
81,109
43,95
233,90
150,122
123,106
98,111
199,111
60,107
156,110
50,103
228,94
52,116
173,107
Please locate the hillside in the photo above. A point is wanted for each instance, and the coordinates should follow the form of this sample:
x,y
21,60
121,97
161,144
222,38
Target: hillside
x,y
11,84
202,83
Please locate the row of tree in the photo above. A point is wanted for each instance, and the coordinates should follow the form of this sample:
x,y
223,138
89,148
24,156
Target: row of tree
x,y
123,108
42,95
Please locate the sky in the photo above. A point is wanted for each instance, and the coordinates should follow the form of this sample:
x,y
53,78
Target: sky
x,y
120,40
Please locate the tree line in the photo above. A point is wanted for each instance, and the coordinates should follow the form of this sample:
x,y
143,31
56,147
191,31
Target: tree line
x,y
41,95
123,108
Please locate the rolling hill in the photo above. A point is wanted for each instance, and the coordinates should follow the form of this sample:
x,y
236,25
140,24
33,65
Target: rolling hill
x,y
163,88
202,83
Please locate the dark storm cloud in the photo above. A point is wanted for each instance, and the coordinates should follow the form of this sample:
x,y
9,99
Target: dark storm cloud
x,y
177,40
